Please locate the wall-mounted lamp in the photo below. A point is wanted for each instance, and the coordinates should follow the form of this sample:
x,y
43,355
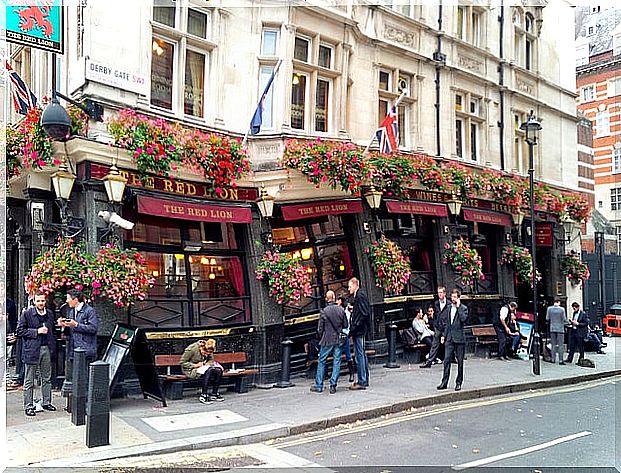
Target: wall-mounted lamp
x,y
568,228
518,218
454,205
373,197
62,181
265,203
115,183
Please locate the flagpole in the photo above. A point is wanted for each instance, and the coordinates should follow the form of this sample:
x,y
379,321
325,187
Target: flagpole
x,y
396,104
258,103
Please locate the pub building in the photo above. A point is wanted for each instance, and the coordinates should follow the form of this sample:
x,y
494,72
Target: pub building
x,y
202,248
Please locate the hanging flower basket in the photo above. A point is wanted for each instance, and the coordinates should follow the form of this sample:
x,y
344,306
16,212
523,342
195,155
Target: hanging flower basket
x,y
390,266
574,269
113,273
521,261
464,261
285,277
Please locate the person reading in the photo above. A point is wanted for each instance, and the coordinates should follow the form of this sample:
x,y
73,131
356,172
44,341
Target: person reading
x,y
198,361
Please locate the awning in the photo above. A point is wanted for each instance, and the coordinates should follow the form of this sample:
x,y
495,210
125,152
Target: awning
x,y
190,211
416,207
321,209
485,216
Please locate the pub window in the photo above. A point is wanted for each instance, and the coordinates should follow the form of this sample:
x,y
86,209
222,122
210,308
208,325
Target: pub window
x,y
180,58
298,101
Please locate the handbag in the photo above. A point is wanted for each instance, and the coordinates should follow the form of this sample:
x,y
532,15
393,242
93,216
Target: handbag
x,y
342,337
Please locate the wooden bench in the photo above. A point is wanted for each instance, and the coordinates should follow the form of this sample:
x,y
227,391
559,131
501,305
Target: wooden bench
x,y
174,382
485,336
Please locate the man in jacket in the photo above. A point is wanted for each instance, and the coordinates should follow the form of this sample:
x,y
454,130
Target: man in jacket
x,y
577,333
557,319
81,326
360,322
36,329
454,340
441,307
332,321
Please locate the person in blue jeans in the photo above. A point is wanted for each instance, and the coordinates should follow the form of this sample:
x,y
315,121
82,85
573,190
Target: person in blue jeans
x,y
360,322
332,321
342,301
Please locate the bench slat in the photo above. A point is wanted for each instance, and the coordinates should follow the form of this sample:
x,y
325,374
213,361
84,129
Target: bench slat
x,y
224,358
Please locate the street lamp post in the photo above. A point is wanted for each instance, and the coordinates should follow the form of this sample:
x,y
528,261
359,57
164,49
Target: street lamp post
x,y
531,129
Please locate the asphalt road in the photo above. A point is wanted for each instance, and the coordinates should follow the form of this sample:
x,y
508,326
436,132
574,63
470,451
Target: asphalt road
x,y
574,426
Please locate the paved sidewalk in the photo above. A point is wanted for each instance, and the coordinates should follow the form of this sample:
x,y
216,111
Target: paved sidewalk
x,y
141,426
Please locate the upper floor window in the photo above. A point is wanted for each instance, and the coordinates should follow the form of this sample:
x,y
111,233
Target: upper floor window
x,y
614,87
180,55
524,40
312,84
616,158
269,42
602,123
468,125
391,83
615,198
588,93
469,24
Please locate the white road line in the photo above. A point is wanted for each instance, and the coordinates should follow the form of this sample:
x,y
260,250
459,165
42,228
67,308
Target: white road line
x,y
516,453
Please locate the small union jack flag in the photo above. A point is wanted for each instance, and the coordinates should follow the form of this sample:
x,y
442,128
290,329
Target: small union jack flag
x,y
388,133
23,98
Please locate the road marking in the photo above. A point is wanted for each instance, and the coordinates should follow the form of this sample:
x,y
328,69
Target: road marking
x,y
347,430
193,421
274,458
523,451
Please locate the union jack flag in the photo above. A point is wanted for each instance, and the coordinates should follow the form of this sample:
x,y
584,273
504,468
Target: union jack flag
x,y
23,98
388,133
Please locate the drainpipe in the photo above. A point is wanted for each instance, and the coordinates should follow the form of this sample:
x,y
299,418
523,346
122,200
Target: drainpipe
x,y
440,60
501,82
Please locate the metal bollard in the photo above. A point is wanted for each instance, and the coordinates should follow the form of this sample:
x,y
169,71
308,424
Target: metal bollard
x,y
80,387
285,369
67,388
392,347
98,407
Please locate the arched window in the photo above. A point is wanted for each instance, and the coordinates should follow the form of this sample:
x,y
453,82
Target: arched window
x,y
529,23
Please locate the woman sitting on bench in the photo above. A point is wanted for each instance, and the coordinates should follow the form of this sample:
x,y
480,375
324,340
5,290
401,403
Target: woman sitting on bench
x,y
197,360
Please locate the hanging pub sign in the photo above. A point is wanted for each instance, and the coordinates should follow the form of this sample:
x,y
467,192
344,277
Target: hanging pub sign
x,y
38,24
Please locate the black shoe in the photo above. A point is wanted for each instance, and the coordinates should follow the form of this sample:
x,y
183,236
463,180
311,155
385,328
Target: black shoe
x,y
600,352
49,407
425,365
562,363
441,386
315,389
332,389
458,387
205,399
30,412
216,397
567,360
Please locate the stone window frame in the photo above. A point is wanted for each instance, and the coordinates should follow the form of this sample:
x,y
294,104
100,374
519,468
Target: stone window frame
x,y
525,38
405,109
583,93
472,29
464,120
183,42
314,73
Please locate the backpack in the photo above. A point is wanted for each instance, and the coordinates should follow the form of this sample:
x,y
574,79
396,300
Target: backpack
x,y
408,336
586,363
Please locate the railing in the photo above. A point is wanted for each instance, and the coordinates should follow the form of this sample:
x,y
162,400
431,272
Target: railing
x,y
181,312
421,282
489,285
314,303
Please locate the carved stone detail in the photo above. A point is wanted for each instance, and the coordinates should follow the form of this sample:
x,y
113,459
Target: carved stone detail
x,y
471,63
394,33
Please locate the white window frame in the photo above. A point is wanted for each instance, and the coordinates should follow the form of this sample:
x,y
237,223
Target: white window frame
x,y
616,158
307,76
615,199
389,84
602,123
587,93
330,106
277,41
614,87
470,151
184,41
390,96
268,104
309,49
332,52
460,125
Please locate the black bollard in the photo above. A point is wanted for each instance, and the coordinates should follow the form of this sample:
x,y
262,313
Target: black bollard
x,y
80,387
285,368
98,406
392,347
67,389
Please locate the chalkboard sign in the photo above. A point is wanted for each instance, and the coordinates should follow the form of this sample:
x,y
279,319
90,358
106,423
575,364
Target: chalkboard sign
x,y
117,351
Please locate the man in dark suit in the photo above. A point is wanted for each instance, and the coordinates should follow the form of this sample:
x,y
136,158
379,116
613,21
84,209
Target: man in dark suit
x,y
81,327
359,326
441,307
577,333
454,340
